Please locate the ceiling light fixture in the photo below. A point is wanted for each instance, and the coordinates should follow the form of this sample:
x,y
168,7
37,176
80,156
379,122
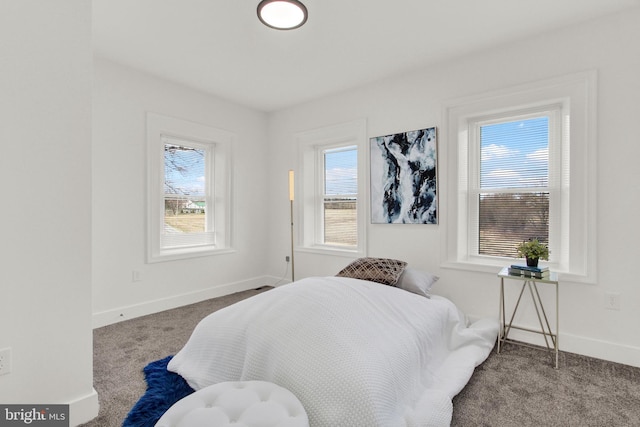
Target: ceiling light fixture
x,y
282,14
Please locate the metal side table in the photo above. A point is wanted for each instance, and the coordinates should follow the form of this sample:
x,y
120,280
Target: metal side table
x,y
545,328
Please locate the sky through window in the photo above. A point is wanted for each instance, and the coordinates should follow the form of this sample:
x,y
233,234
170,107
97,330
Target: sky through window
x,y
515,154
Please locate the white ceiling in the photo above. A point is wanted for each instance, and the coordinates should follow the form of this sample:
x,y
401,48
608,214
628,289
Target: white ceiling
x,y
220,47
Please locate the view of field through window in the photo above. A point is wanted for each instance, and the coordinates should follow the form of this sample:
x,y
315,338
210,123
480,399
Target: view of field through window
x,y
184,187
509,219
340,195
340,223
514,180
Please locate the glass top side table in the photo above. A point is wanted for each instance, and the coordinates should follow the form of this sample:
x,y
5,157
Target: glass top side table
x,y
550,338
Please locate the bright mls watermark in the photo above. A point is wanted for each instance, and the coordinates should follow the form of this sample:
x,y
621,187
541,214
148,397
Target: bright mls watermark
x,y
34,415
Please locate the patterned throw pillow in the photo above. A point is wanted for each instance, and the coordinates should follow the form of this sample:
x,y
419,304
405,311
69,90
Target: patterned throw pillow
x,y
382,270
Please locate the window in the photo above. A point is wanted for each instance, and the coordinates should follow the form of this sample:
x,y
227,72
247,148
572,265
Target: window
x,y
511,191
188,189
339,204
520,166
332,213
187,196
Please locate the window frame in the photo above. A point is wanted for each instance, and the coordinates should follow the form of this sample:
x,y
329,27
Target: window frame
x,y
554,113
311,145
218,144
574,241
321,223
174,241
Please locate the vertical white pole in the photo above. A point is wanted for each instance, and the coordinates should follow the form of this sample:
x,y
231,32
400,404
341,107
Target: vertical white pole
x,y
291,197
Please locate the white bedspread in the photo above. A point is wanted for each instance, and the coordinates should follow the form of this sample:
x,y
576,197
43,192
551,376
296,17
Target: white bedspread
x,y
355,353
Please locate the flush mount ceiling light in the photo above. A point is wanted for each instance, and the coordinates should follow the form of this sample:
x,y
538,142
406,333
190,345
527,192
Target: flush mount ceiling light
x,y
282,14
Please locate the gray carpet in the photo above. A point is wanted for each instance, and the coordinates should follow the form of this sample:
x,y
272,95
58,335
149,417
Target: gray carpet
x,y
518,387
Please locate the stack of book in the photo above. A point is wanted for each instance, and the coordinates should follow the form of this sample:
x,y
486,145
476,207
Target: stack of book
x,y
526,271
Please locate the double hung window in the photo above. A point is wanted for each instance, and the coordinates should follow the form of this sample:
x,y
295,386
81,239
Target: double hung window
x,y
339,225
333,186
188,181
512,184
188,204
521,166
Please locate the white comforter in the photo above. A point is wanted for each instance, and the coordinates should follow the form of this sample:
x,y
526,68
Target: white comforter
x,y
355,353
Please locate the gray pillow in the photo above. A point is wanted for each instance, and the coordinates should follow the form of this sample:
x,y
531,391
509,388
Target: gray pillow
x,y
416,281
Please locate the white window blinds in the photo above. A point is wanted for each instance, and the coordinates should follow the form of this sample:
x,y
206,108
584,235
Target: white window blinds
x,y
186,187
513,194
340,194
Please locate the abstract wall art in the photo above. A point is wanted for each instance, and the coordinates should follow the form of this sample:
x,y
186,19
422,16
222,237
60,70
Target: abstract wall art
x,y
403,178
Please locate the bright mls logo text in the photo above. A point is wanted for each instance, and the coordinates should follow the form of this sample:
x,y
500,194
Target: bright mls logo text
x,y
37,415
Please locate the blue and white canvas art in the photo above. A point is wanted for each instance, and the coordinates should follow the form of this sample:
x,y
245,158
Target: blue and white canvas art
x,y
403,178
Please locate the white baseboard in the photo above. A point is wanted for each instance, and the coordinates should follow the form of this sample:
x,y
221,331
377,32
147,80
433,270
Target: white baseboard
x,y
600,349
585,346
109,317
275,281
84,409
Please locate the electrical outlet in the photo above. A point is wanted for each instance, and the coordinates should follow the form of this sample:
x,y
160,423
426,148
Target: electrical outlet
x,y
136,276
5,361
612,301
287,258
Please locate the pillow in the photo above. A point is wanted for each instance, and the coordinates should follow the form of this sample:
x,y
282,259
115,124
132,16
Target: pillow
x,y
382,270
416,281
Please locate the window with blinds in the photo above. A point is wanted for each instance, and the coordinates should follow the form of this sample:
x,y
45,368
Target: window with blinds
x,y
340,193
188,164
512,189
331,206
187,214
520,165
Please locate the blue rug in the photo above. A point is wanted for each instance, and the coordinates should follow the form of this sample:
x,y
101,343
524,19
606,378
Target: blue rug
x,y
164,388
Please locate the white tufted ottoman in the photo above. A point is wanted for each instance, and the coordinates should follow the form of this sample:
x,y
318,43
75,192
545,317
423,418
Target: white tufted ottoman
x,y
237,404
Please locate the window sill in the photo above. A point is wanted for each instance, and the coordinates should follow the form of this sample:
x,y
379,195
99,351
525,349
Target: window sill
x,y
494,267
331,250
178,254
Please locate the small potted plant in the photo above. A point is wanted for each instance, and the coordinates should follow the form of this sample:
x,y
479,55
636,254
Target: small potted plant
x,y
533,250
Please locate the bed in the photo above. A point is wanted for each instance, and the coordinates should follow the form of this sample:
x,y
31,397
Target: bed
x,y
355,352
